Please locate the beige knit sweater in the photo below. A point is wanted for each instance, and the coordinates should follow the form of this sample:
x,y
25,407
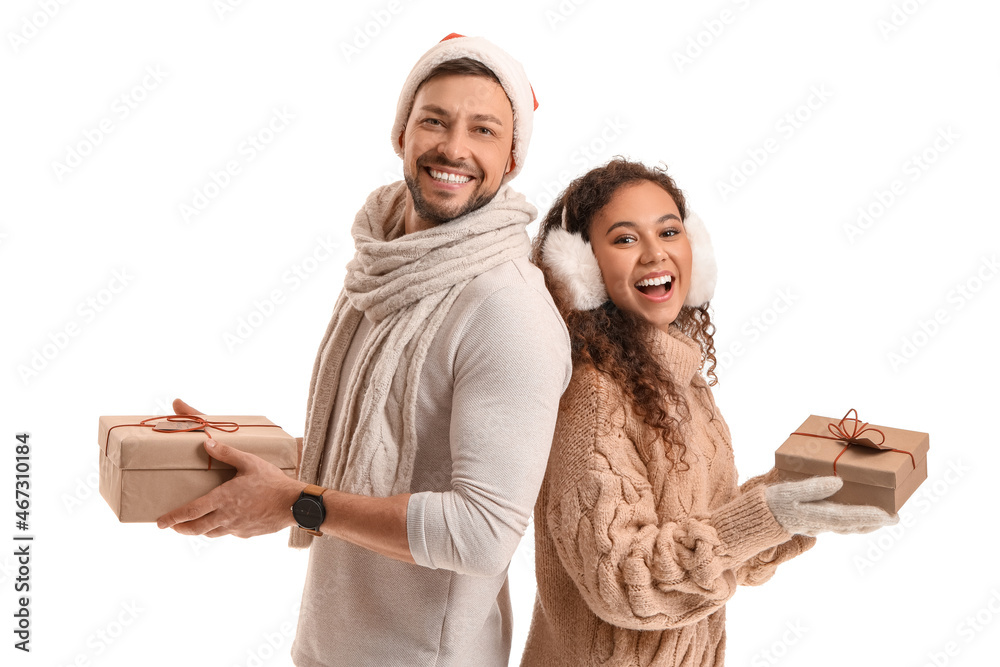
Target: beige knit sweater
x,y
635,563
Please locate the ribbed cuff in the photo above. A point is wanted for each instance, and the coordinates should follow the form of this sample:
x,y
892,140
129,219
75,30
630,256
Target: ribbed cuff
x,y
746,525
416,529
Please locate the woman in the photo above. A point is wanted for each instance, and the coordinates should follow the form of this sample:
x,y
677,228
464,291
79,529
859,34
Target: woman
x,y
641,531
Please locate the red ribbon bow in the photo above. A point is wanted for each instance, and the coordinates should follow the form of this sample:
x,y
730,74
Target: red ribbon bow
x,y
853,437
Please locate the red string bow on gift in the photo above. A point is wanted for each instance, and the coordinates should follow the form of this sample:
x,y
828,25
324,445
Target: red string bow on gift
x,y
851,435
197,423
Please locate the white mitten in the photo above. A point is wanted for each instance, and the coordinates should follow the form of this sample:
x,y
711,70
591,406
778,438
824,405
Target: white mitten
x,y
800,509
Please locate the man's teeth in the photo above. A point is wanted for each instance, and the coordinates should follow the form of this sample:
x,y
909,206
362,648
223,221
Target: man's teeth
x,y
662,280
450,178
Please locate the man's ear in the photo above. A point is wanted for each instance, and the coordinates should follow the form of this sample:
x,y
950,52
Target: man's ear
x,y
511,163
400,139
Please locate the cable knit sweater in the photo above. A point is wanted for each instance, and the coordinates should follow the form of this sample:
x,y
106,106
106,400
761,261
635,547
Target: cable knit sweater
x,y
635,562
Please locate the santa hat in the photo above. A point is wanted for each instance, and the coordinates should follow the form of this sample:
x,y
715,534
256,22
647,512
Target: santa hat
x,y
572,263
512,78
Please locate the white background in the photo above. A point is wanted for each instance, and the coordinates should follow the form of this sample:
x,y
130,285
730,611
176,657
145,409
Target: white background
x,y
884,80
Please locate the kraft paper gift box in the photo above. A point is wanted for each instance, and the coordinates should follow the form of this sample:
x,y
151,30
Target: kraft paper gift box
x,y
145,473
872,476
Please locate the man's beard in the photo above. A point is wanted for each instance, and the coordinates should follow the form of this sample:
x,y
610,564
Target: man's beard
x,y
435,214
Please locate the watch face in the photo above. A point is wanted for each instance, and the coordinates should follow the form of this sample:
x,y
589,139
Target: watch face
x,y
309,512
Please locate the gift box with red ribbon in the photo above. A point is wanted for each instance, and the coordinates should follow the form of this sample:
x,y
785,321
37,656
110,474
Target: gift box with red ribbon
x,y
880,466
152,465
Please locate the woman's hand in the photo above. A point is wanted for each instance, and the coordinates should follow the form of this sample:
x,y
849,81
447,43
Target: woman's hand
x,y
800,509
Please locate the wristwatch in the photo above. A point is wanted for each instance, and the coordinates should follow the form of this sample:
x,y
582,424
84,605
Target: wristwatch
x,y
309,511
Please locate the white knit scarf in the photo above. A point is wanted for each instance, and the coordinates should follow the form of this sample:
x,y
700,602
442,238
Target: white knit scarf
x,y
405,284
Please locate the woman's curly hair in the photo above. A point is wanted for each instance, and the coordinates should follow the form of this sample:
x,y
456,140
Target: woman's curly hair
x,y
609,338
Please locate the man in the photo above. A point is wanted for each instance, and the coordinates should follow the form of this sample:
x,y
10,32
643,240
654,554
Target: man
x,y
434,396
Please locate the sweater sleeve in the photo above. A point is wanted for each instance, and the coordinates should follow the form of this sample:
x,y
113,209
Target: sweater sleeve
x,y
762,566
511,367
632,569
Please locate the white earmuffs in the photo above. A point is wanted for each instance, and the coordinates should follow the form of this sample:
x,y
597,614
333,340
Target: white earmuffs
x,y
572,262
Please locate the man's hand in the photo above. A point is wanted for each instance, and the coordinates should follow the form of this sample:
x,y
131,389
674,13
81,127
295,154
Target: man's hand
x,y
182,408
255,502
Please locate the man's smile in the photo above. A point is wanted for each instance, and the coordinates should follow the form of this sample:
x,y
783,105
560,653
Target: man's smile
x,y
448,176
